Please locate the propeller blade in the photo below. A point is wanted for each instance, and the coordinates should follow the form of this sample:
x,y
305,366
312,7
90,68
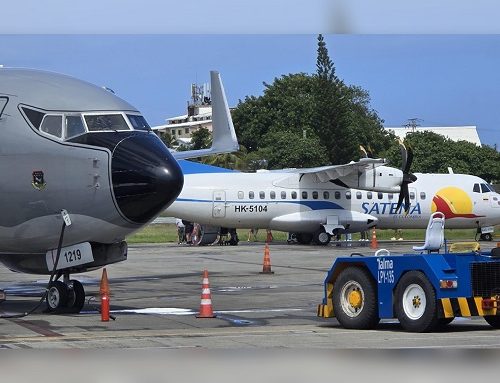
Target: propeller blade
x,y
409,160
404,155
407,199
401,197
363,150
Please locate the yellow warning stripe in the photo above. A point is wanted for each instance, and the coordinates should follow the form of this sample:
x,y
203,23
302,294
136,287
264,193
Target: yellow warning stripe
x,y
464,307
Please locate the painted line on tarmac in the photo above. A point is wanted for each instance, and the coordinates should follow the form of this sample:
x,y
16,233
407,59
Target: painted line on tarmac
x,y
178,311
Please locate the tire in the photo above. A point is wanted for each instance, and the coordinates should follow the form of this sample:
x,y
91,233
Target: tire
x,y
493,320
304,238
442,322
486,237
57,296
321,237
76,296
416,305
355,299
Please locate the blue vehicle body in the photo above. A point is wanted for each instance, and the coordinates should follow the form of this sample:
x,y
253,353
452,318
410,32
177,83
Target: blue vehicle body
x,y
475,277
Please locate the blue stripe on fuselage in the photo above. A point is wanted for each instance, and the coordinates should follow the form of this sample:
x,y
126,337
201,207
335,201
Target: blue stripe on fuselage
x,y
190,167
313,205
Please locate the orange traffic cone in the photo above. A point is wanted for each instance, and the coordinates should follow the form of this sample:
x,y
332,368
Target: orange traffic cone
x,y
104,292
206,299
269,236
266,266
374,243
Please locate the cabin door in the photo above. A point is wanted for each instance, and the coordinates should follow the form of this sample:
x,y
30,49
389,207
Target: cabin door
x,y
219,204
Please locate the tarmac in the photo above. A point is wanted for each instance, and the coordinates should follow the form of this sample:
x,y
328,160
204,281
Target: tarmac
x,y
155,296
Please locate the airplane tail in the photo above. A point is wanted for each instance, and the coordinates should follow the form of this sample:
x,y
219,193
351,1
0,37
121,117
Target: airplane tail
x,y
224,138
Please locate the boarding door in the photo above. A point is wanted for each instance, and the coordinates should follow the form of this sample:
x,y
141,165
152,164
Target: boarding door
x,y
219,204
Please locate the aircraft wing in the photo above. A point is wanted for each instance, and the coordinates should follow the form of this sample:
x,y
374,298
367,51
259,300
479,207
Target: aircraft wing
x,y
333,172
223,135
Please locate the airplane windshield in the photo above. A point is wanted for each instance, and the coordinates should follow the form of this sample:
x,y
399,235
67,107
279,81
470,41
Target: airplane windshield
x,y
103,122
138,122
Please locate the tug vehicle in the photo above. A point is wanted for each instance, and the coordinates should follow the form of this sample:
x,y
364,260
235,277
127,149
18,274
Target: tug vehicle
x,y
423,291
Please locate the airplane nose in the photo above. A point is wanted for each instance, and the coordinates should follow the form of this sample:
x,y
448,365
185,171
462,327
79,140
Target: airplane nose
x,y
146,178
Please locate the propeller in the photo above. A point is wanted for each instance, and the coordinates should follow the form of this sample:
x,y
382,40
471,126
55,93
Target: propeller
x,y
408,178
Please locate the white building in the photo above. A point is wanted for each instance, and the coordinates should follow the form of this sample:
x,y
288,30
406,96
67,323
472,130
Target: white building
x,y
199,115
455,133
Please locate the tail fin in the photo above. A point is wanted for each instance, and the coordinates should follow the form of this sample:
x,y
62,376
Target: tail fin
x,y
224,138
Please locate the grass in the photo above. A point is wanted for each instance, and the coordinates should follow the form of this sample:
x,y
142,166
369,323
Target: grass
x,y
167,233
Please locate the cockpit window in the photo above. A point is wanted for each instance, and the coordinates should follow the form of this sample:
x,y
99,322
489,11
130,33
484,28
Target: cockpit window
x,y
476,188
52,124
100,122
74,126
485,188
138,122
34,116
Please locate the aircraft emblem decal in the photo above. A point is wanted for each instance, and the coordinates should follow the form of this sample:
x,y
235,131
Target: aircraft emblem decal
x,y
453,203
38,180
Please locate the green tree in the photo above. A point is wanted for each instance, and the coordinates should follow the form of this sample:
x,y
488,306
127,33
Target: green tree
x,y
201,139
167,139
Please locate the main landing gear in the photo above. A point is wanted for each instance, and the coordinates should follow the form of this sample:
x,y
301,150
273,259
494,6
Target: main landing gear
x,y
67,296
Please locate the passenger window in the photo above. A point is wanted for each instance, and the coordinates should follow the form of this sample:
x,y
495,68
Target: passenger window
x,y
348,195
337,195
369,195
74,126
422,195
241,195
358,195
304,195
390,196
283,195
412,195
476,188
52,125
294,195
484,188
326,195
380,195
251,195
272,195
262,195
315,194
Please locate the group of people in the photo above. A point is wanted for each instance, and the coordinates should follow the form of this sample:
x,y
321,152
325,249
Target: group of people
x,y
184,231
252,235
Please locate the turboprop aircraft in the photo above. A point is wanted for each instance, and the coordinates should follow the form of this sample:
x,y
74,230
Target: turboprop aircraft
x,y
81,170
319,202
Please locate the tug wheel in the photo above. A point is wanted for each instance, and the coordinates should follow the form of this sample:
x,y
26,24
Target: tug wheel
x,y
493,320
416,305
355,299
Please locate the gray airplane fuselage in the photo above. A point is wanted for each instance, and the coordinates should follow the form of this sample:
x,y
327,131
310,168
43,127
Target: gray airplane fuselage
x,y
67,144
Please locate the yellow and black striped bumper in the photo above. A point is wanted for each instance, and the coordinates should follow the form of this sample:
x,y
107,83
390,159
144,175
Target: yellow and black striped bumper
x,y
465,307
326,311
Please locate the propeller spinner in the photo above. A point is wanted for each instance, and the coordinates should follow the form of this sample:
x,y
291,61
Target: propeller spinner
x,y
408,178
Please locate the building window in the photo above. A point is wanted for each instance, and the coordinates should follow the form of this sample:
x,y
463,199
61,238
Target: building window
x,y
251,195
326,195
179,132
315,195
186,130
283,195
294,195
241,195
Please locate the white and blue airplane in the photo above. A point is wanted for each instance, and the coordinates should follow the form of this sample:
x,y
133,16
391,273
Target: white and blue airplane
x,y
317,203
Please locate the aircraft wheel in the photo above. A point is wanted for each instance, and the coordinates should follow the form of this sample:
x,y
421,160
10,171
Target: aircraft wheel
x,y
416,306
57,296
355,299
76,296
321,237
486,237
493,320
304,238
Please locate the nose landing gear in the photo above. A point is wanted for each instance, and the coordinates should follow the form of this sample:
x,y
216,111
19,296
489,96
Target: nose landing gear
x,y
67,296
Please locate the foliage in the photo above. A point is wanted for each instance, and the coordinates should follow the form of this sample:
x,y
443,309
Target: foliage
x,y
167,139
434,153
201,139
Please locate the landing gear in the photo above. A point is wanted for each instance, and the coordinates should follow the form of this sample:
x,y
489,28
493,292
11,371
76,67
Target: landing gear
x,y
321,237
65,297
304,238
486,237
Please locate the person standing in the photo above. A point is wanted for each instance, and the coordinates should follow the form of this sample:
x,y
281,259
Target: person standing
x,y
180,230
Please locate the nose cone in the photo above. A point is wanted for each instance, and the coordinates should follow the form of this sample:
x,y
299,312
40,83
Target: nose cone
x,y
146,178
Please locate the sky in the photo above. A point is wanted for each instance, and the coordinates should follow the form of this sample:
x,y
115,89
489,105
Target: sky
x,y
435,62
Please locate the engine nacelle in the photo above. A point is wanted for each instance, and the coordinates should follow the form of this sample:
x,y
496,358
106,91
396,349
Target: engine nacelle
x,y
379,179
